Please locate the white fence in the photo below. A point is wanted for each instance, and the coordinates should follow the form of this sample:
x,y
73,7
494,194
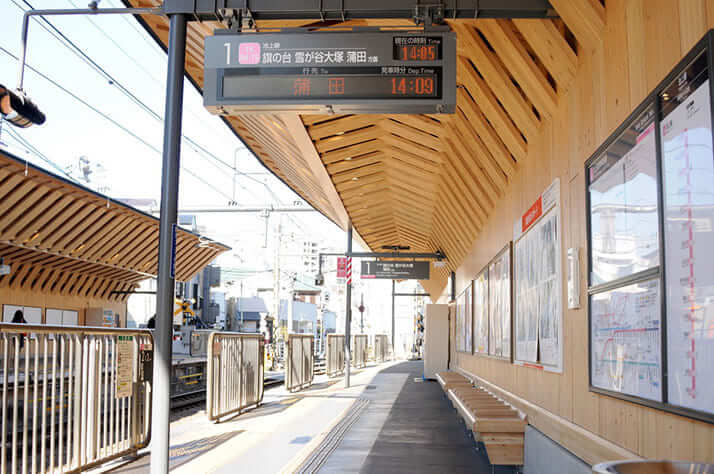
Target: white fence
x,y
335,354
300,369
235,373
359,350
381,348
72,398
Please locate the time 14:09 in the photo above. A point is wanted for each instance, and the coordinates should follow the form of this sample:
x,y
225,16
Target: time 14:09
x,y
412,86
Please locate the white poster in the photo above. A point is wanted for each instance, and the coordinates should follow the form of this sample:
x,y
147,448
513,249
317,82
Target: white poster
x,y
481,326
499,282
624,221
125,366
688,184
538,282
29,314
626,340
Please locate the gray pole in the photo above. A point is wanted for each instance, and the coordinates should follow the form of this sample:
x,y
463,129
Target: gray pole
x,y
167,235
361,314
393,289
348,312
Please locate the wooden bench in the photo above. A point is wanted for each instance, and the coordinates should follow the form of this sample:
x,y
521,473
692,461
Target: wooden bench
x,y
449,380
495,423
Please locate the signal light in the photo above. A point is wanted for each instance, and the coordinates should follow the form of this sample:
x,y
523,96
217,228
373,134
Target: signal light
x,y
18,109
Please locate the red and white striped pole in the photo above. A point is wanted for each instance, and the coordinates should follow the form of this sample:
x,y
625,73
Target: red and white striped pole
x,y
348,299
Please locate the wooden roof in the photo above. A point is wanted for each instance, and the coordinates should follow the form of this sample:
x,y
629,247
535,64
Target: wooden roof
x,y
427,181
62,238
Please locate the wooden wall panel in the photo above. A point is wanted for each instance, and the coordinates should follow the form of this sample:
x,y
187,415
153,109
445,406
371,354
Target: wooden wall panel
x,y
641,41
22,297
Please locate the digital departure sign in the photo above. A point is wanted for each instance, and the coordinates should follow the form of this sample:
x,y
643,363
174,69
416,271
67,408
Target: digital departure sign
x,y
335,72
417,48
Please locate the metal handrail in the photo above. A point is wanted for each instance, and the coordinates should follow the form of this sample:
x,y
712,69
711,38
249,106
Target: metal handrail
x,y
235,373
360,343
74,397
335,354
300,367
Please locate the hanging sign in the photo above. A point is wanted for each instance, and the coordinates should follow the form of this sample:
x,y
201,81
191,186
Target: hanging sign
x,y
331,72
394,270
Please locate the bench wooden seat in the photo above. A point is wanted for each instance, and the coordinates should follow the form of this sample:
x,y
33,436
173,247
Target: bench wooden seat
x,y
449,380
493,422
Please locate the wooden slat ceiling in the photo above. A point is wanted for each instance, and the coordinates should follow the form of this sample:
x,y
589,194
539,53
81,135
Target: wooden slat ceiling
x,y
428,181
62,238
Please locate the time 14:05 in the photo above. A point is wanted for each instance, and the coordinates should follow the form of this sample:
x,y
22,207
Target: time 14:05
x,y
412,86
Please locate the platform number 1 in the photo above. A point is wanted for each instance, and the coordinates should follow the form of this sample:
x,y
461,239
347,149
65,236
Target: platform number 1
x,y
228,53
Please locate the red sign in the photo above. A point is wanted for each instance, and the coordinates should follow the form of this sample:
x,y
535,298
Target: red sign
x,y
341,267
532,214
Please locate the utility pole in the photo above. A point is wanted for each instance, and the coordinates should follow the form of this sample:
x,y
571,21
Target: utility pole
x,y
276,278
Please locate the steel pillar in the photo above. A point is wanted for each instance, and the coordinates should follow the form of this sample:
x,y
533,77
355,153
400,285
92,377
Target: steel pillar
x,y
348,312
167,241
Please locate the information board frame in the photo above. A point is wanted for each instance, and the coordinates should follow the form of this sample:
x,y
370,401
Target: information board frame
x,y
486,270
705,48
464,335
506,250
546,207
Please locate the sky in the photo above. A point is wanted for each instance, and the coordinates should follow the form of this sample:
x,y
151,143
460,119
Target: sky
x,y
122,139
112,117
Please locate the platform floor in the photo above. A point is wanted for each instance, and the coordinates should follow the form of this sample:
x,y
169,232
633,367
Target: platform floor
x,y
407,427
388,421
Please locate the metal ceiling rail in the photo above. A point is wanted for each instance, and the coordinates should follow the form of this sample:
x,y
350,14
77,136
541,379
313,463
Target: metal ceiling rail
x,y
341,10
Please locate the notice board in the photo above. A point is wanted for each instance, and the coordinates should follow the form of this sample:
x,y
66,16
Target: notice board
x,y
650,217
538,283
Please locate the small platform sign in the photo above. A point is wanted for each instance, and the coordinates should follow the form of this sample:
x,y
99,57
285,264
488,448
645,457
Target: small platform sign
x,y
125,366
393,270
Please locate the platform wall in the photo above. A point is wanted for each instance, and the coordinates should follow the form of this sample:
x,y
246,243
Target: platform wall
x,y
643,41
54,301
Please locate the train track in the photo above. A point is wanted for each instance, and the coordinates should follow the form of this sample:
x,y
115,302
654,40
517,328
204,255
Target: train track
x,y
184,400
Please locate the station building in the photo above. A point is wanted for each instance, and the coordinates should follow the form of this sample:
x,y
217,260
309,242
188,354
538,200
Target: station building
x,y
554,186
76,256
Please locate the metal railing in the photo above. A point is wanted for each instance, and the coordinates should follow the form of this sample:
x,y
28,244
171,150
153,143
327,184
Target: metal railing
x,y
335,354
359,350
199,342
381,348
72,397
235,373
300,370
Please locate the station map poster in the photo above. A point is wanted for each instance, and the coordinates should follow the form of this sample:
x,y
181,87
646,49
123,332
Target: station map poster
x,y
688,187
538,282
481,325
499,304
626,340
624,220
463,321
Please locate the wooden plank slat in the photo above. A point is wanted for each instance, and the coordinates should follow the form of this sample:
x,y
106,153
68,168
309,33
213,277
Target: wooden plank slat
x,y
586,18
519,63
551,48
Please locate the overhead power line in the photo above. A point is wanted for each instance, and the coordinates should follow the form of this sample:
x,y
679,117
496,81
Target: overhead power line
x,y
110,119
